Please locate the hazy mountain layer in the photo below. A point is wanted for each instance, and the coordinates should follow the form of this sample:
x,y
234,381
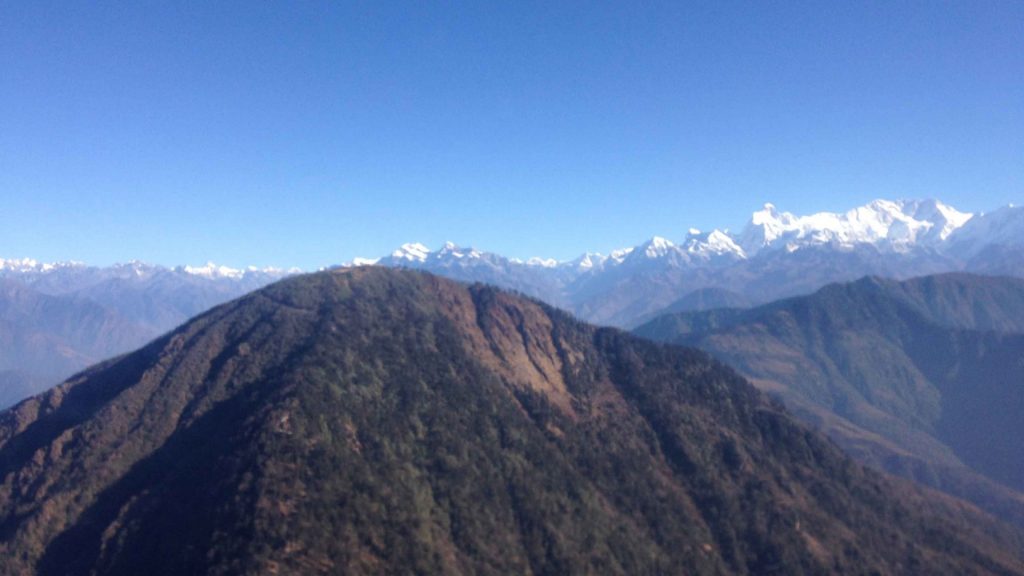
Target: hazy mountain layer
x,y
921,378
44,339
56,320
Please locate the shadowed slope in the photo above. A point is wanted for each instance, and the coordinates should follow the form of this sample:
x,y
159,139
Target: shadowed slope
x,y
921,378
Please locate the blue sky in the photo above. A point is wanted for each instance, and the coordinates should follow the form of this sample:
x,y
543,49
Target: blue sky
x,y
309,133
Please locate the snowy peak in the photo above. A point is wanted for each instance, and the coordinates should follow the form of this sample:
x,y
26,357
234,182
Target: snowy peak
x,y
588,261
595,261
451,250
414,252
211,270
889,225
945,219
765,227
55,276
137,269
620,255
27,265
141,270
357,261
769,215
714,244
892,226
656,252
217,272
542,262
450,254
656,247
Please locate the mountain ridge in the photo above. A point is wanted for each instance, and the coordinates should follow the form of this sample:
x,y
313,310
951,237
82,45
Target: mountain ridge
x,y
624,288
380,421
915,377
777,254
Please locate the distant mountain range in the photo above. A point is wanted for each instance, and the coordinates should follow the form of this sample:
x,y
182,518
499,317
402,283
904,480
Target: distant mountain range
x,y
923,378
776,255
56,319
376,421
45,338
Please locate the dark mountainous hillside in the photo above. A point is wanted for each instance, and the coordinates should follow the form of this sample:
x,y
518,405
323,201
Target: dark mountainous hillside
x,y
374,421
922,378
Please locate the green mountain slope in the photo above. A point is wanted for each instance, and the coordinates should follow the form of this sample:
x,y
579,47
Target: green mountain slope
x,y
372,421
922,378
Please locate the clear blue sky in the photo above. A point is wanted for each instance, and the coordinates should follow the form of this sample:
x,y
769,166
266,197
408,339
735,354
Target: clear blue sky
x,y
308,133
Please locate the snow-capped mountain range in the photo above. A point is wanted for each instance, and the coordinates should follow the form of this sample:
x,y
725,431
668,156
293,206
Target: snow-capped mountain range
x,y
29,267
777,254
156,297
896,226
889,226
57,318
